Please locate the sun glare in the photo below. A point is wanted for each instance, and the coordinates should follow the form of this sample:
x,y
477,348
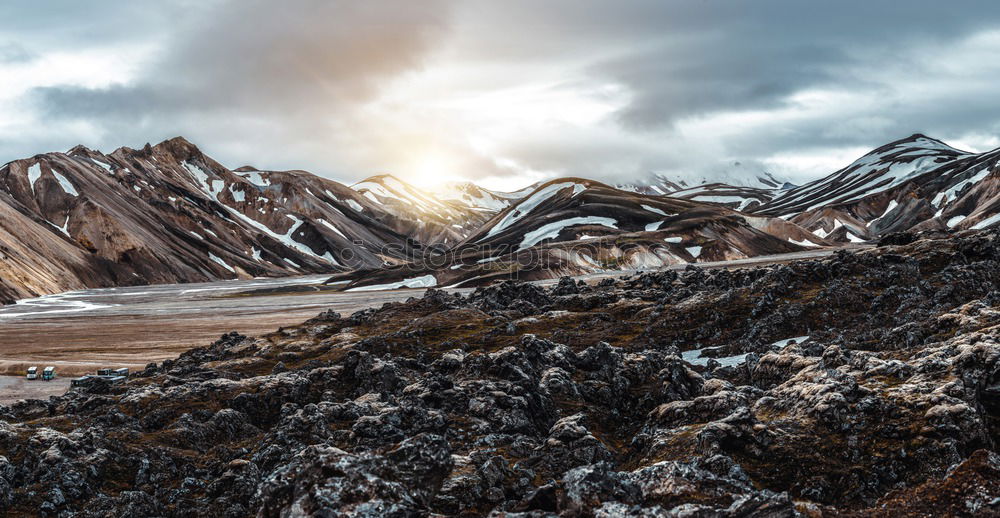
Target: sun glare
x,y
431,169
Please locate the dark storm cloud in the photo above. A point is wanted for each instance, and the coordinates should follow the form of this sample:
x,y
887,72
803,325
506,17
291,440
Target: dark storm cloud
x,y
668,84
717,56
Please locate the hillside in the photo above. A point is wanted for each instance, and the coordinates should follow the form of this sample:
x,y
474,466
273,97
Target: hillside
x,y
573,226
168,213
916,183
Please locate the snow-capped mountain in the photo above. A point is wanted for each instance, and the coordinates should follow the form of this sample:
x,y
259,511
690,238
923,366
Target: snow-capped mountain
x,y
737,186
428,218
916,183
478,198
169,213
571,226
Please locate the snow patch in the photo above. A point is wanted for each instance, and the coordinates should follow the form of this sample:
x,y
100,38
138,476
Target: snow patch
x,y
888,209
654,210
804,242
221,262
820,233
330,226
526,206
784,343
204,179
694,358
67,187
552,230
426,281
65,228
104,166
986,222
952,194
34,173
256,178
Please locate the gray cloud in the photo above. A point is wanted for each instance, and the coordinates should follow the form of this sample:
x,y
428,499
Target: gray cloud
x,y
260,52
261,61
12,52
695,84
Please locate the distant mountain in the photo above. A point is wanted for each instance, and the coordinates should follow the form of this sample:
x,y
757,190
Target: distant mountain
x,y
737,186
169,213
916,183
572,226
478,198
428,218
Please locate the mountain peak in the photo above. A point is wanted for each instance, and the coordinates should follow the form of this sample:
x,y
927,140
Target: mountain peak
x,y
179,146
381,178
176,141
81,150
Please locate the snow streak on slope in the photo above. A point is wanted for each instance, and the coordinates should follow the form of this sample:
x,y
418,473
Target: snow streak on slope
x,y
168,213
552,230
917,183
878,171
432,220
475,197
525,206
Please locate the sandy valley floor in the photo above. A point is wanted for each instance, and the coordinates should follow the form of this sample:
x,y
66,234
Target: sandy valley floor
x,y
79,332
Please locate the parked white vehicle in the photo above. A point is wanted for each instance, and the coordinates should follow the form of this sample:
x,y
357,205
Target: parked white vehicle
x,y
32,373
49,373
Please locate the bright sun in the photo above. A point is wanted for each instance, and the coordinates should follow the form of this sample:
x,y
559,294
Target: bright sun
x,y
431,169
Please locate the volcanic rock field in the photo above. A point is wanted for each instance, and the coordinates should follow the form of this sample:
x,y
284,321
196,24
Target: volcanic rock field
x,y
863,384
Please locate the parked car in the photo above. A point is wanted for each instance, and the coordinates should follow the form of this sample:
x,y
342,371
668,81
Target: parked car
x,y
32,373
49,373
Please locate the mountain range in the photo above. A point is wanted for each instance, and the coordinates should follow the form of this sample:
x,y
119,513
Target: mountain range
x,y
168,213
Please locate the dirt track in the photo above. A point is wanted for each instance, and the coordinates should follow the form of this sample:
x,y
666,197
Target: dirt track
x,y
14,388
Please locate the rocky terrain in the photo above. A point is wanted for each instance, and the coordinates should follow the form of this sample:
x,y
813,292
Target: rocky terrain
x,y
863,384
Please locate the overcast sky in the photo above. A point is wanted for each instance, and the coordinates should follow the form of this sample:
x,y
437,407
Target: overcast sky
x,y
501,92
